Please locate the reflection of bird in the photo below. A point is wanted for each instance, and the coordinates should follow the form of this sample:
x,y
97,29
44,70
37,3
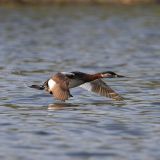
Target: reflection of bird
x,y
60,106
60,83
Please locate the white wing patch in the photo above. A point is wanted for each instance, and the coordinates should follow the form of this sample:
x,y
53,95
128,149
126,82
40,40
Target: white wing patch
x,y
51,83
87,86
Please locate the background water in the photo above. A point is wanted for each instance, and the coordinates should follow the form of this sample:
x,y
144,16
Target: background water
x,y
36,42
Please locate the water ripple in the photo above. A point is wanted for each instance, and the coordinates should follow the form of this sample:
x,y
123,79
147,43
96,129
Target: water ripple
x,y
36,42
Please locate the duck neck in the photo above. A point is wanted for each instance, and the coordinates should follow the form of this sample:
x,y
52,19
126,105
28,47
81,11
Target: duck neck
x,y
95,76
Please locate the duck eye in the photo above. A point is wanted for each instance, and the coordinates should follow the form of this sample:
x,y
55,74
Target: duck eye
x,y
50,92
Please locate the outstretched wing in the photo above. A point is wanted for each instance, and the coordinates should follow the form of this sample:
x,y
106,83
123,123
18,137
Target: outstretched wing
x,y
61,93
60,89
100,87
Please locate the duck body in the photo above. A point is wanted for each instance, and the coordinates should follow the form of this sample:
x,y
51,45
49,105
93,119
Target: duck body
x,y
59,84
76,78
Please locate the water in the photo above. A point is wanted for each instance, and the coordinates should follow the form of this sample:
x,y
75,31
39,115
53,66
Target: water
x,y
36,42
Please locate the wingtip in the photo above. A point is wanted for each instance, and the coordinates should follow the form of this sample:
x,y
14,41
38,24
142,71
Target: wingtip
x,y
118,98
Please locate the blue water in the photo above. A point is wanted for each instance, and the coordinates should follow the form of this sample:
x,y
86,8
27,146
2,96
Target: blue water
x,y
36,42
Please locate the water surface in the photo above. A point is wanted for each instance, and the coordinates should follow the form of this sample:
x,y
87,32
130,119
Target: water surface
x,y
36,42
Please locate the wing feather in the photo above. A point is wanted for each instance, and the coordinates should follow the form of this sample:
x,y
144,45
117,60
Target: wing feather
x,y
60,93
61,90
101,88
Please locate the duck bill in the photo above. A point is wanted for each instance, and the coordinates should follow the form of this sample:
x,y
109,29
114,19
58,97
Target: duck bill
x,y
119,76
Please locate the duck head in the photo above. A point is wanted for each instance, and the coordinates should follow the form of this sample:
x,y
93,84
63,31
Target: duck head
x,y
110,74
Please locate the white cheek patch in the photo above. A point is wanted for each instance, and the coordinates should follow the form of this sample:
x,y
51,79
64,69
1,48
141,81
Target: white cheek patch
x,y
51,83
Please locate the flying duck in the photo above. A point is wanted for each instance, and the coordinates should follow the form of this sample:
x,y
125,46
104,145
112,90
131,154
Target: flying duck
x,y
59,85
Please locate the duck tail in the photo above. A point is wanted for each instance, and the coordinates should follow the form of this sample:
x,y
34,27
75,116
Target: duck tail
x,y
39,87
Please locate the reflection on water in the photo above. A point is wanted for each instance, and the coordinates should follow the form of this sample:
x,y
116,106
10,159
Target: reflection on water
x,y
59,106
38,41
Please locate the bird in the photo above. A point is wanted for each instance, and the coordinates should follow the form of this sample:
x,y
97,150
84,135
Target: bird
x,y
59,84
